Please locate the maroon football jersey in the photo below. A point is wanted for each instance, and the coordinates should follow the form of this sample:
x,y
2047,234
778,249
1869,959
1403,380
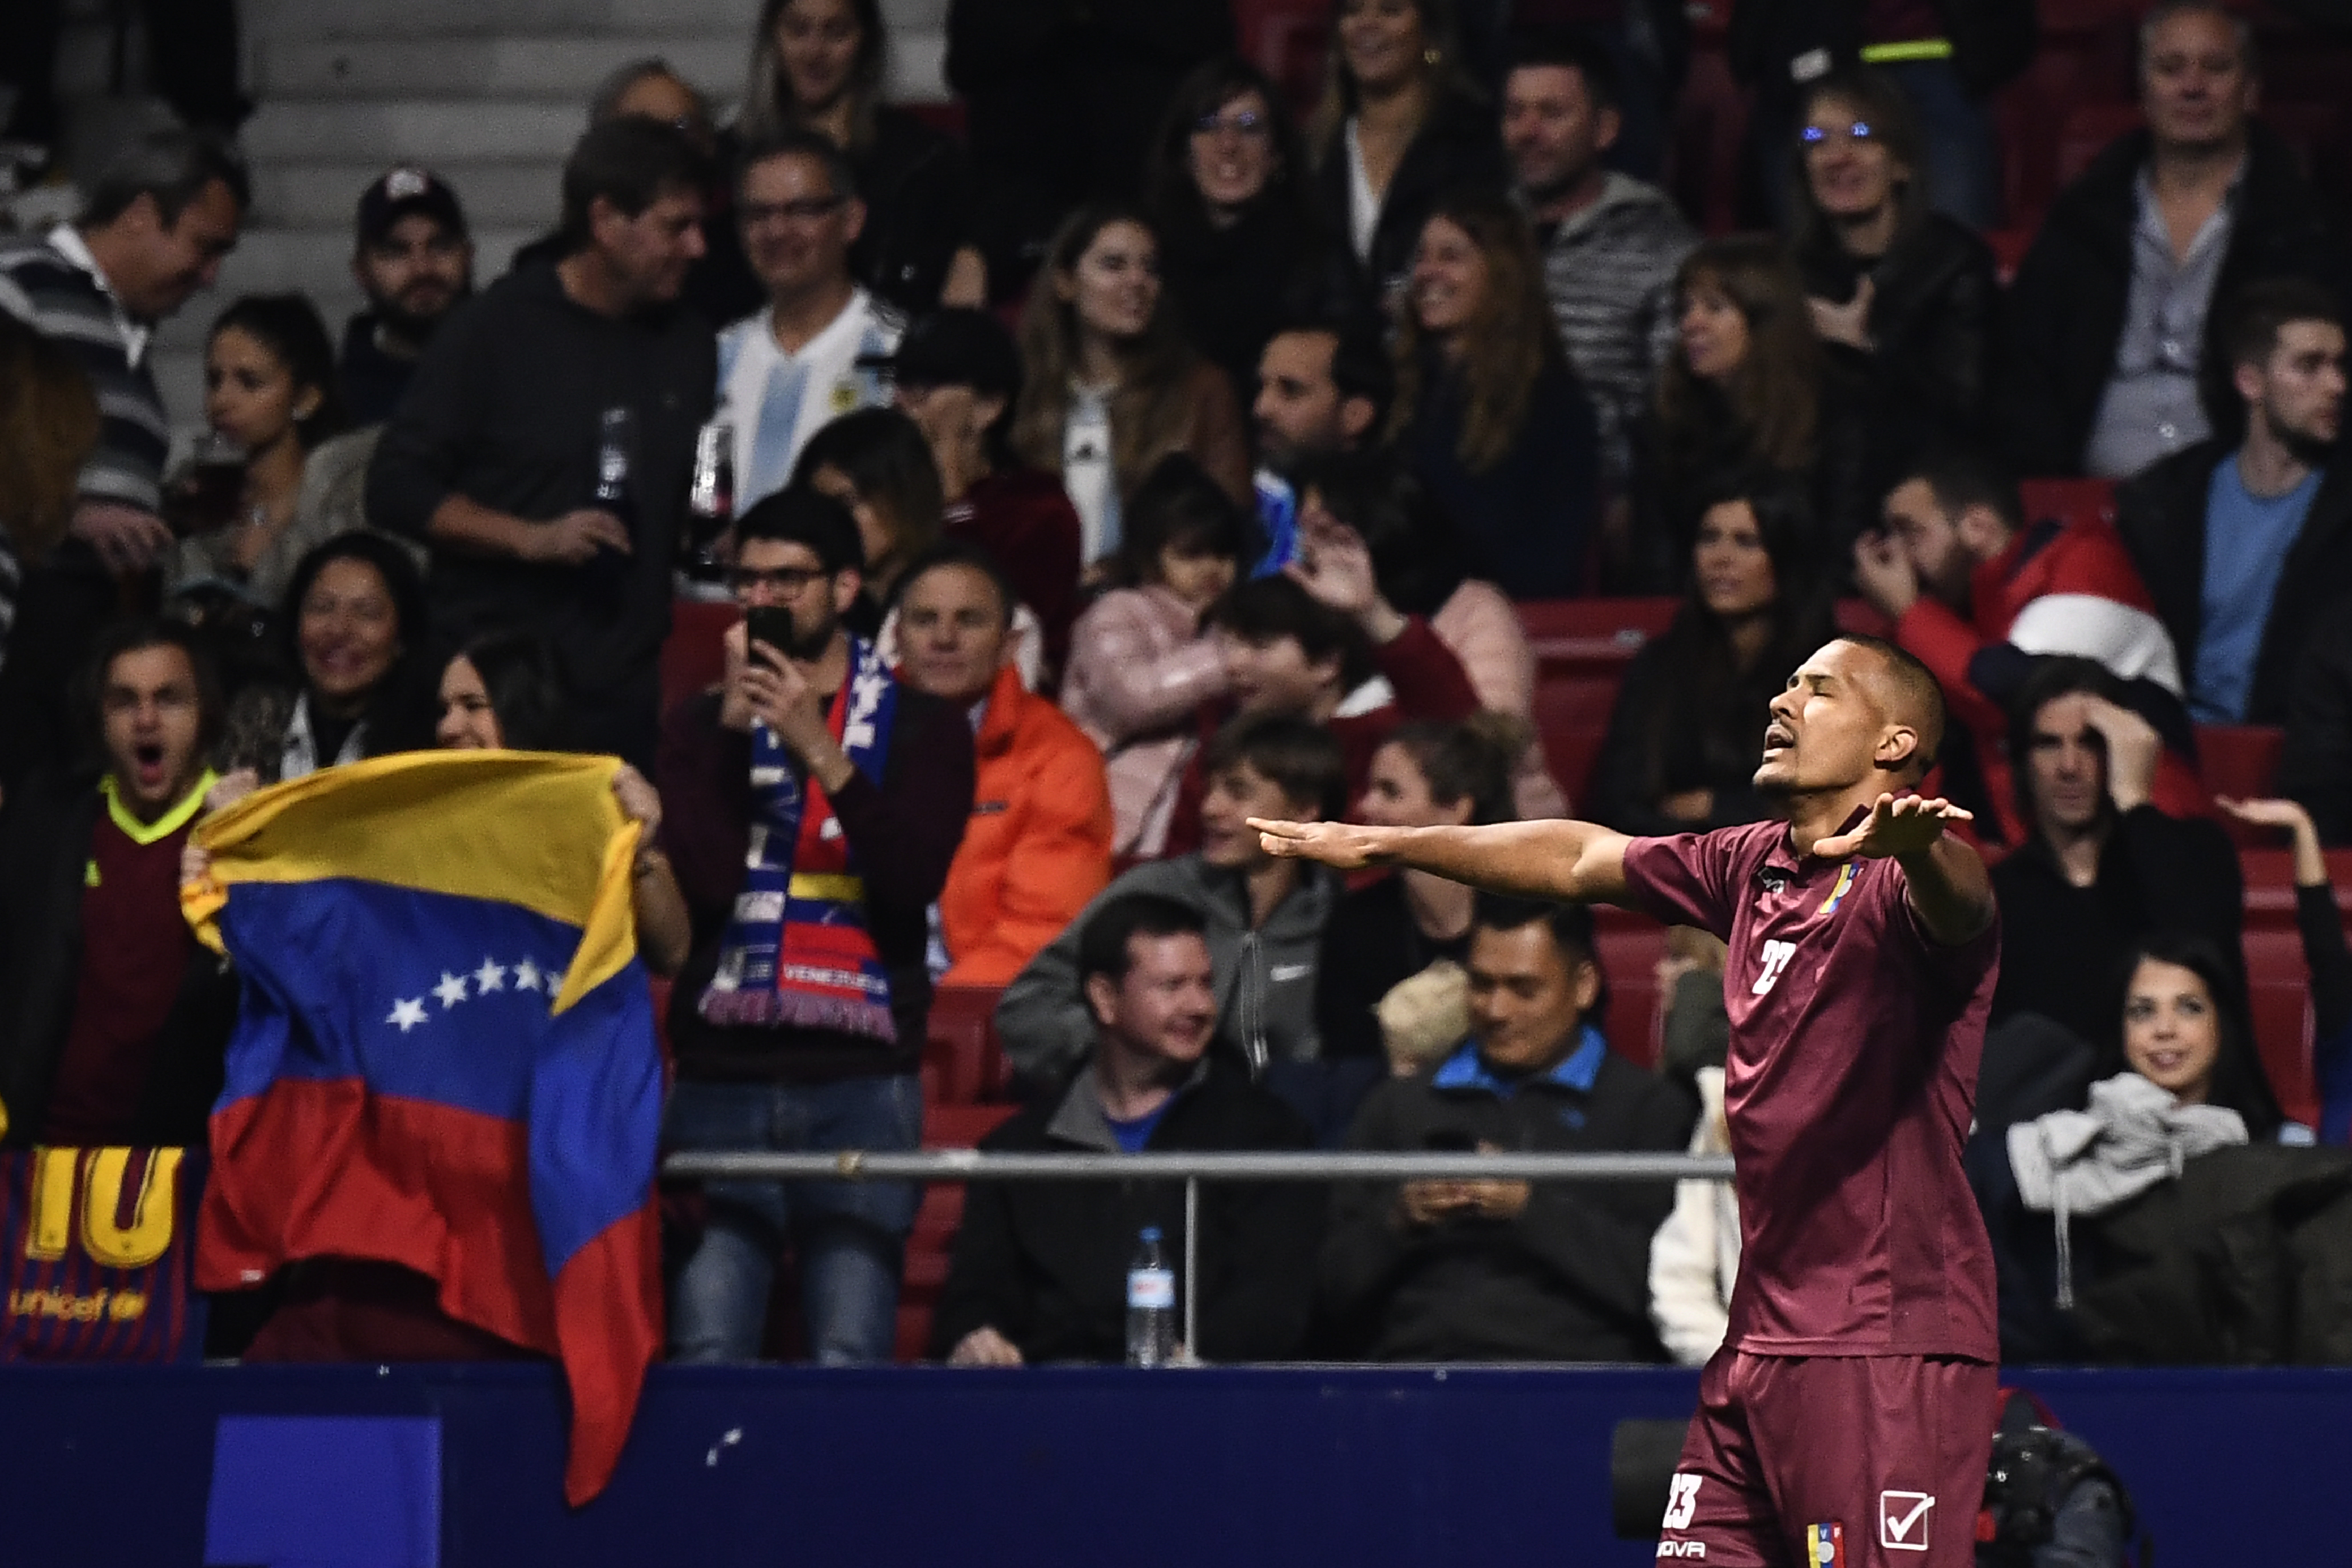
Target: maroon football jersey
x,y
1854,1042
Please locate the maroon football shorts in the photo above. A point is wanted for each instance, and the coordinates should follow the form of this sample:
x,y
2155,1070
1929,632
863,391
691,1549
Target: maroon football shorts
x,y
1833,1462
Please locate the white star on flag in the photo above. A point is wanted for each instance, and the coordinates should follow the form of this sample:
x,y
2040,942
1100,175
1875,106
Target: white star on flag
x,y
526,975
452,990
406,1016
489,978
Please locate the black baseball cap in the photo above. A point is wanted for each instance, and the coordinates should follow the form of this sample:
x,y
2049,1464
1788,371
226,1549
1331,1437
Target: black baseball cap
x,y
955,348
401,191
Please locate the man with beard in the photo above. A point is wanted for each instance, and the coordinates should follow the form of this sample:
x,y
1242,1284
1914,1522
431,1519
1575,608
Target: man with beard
x,y
814,806
415,264
2242,549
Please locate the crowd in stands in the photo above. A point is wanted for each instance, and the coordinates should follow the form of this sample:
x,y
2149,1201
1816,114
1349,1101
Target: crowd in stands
x,y
1172,452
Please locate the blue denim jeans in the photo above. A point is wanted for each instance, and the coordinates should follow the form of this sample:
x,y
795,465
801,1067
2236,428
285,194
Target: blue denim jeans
x,y
849,1236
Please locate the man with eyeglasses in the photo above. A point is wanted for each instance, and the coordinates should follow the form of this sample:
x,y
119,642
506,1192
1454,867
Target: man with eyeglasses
x,y
494,457
794,365
815,805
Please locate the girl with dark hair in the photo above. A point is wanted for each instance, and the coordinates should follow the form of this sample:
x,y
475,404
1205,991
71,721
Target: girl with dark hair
x,y
1244,249
2184,1026
1902,296
1400,125
1487,411
1139,667
1748,391
822,65
354,627
1426,775
1688,726
1112,386
876,462
271,394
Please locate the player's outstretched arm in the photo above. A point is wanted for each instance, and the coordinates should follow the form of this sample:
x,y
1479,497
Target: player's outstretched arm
x,y
1949,886
1580,862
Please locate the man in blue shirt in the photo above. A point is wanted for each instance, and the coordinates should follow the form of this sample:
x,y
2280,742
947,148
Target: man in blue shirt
x,y
2243,546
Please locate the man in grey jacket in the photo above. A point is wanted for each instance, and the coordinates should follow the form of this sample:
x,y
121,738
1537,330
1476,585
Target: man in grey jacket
x,y
1610,243
1264,916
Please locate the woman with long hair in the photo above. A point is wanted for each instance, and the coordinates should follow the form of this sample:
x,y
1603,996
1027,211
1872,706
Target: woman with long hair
x,y
876,462
1112,386
2184,1024
1400,127
1903,295
1487,411
822,65
1748,390
272,394
1243,248
1683,740
1425,775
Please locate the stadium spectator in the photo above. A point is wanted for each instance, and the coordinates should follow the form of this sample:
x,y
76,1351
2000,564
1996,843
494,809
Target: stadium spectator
x,y
1400,127
2101,865
152,232
1039,1271
1977,593
1508,1270
116,1018
1680,753
1038,846
2110,324
414,262
1902,297
1487,411
1382,933
2327,957
823,66
1323,388
1264,917
1695,1256
48,427
1141,667
651,89
355,638
1417,563
2242,548
1062,104
506,691
2316,766
1424,1018
957,375
875,462
1610,243
1748,392
270,393
1948,57
491,459
1112,386
801,360
800,1016
1243,248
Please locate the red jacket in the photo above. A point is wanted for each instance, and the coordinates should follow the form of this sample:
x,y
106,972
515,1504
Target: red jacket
x,y
1037,848
2059,588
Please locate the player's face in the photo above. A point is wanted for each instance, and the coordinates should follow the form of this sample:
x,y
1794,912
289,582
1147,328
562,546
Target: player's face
x,y
1526,997
2172,1034
1827,726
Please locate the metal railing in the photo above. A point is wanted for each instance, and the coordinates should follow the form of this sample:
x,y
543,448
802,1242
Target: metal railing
x,y
974,1166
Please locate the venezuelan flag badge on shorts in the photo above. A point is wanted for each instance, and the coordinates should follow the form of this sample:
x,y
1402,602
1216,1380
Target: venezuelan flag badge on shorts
x,y
1826,1544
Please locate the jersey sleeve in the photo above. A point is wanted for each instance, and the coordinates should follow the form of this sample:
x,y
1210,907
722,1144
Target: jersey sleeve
x,y
1687,878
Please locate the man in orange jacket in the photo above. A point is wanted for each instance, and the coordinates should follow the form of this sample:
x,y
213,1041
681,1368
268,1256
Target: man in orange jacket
x,y
1037,848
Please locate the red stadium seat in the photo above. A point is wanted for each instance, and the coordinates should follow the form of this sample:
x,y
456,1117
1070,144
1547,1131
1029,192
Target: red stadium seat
x,y
962,1063
2241,761
2069,501
2279,995
1581,648
933,1237
694,658
1631,946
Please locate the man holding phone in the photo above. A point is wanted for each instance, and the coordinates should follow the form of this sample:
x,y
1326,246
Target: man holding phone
x,y
816,806
1496,1270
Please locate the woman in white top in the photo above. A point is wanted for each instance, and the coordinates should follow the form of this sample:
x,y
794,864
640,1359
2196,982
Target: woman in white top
x,y
1112,386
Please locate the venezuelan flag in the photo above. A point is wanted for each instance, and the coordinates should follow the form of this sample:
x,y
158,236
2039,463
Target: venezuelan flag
x,y
444,1055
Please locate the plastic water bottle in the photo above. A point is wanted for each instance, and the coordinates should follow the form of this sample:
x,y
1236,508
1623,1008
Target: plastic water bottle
x,y
1151,1303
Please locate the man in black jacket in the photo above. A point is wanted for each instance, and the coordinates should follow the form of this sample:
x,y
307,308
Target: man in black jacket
x,y
1039,1268
112,1018
493,458
2107,322
2102,865
1510,1270
2241,547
